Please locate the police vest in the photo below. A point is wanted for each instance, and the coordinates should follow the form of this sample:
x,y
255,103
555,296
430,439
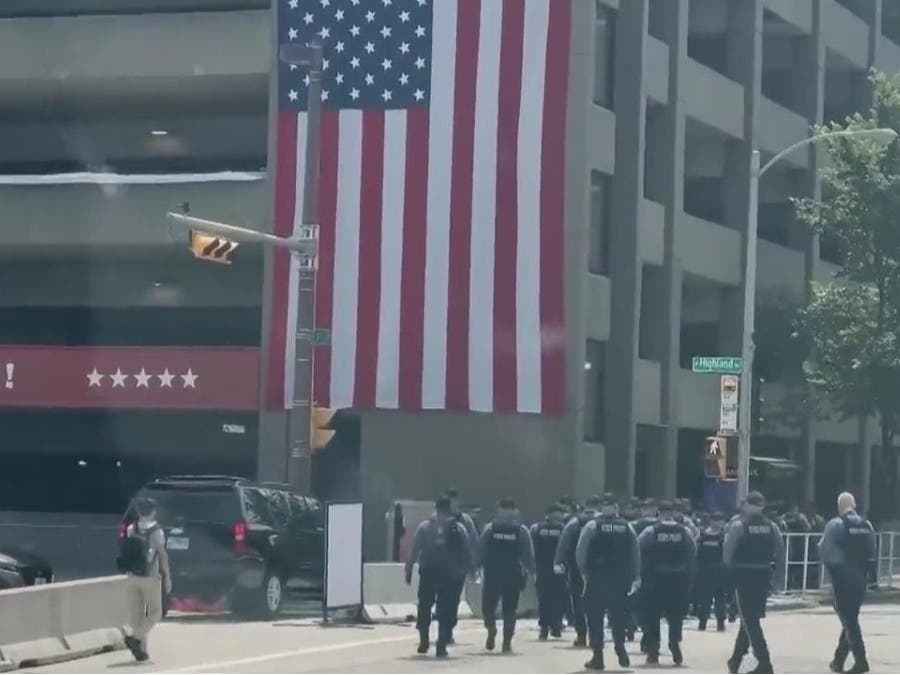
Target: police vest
x,y
756,546
610,549
446,551
502,549
669,551
709,549
546,538
581,520
642,524
857,541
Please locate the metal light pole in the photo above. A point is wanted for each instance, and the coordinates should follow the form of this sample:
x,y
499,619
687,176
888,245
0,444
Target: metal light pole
x,y
300,415
883,137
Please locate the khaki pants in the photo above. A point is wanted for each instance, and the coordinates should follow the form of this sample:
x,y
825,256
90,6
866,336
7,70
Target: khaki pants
x,y
149,607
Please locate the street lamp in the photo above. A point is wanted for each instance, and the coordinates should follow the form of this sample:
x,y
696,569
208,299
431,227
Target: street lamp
x,y
882,137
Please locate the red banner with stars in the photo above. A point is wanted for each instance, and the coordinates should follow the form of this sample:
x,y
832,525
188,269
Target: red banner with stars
x,y
189,378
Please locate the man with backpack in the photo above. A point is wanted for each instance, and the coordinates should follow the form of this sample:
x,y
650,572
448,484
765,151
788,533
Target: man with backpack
x,y
143,557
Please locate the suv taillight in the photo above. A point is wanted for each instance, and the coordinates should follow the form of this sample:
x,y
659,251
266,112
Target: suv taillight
x,y
239,532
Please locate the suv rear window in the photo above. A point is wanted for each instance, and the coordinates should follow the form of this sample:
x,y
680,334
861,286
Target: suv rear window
x,y
204,505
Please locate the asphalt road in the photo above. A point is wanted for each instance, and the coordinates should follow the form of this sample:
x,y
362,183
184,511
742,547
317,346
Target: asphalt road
x,y
800,641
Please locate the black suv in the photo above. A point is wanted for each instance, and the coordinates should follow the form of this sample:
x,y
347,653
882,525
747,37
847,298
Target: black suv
x,y
233,539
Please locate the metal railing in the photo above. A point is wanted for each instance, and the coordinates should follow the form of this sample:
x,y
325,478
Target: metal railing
x,y
804,572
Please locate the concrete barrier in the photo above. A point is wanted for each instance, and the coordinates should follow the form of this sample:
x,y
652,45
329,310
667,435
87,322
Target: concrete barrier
x,y
388,599
61,621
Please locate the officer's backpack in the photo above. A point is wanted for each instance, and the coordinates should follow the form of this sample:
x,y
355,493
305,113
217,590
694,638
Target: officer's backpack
x,y
134,556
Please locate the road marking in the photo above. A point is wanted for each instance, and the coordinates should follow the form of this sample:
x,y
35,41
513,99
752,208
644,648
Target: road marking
x,y
220,665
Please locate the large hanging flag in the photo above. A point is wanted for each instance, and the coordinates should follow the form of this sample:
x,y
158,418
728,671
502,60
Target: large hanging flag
x,y
441,188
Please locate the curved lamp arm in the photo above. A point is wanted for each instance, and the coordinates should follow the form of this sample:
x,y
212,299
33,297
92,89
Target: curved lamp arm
x,y
883,136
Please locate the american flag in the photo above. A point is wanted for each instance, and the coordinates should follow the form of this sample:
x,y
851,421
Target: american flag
x,y
440,203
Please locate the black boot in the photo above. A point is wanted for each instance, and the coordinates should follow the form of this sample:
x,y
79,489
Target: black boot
x,y
652,658
133,645
836,666
440,649
491,641
424,643
545,632
720,625
622,653
734,664
860,665
677,657
701,625
556,631
508,632
580,641
596,662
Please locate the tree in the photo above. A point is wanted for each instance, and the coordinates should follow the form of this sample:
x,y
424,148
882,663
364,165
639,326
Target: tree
x,y
852,324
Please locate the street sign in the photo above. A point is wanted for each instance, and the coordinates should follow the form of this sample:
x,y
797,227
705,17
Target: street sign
x,y
321,337
730,365
233,428
728,404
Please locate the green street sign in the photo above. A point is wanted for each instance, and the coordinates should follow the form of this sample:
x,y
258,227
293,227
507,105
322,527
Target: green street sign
x,y
321,337
728,365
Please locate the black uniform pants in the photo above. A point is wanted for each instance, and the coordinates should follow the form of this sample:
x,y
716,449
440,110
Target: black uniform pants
x,y
665,597
503,590
552,599
576,593
606,597
437,589
849,592
460,588
711,592
751,591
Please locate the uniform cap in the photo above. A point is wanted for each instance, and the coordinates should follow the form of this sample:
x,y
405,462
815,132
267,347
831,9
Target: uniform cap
x,y
756,499
609,500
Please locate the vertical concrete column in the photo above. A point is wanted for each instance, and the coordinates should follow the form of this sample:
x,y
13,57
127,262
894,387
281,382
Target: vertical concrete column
x,y
672,162
815,110
585,463
625,268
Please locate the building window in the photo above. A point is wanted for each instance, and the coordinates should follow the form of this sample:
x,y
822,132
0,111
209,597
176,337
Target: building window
x,y
604,55
598,256
594,367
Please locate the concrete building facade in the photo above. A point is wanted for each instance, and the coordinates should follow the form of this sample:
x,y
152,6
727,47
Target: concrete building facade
x,y
667,99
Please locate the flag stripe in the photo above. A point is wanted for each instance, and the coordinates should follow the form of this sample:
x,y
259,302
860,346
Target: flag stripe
x,y
285,186
367,306
435,343
507,215
484,204
528,253
328,180
387,394
346,259
290,335
412,282
463,108
553,169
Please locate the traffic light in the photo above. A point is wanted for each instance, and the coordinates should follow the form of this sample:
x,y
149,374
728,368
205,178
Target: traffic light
x,y
323,428
210,247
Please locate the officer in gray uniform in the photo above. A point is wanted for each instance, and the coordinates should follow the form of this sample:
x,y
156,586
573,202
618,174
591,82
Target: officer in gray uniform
x,y
752,544
466,521
565,559
609,559
846,548
668,556
506,554
441,547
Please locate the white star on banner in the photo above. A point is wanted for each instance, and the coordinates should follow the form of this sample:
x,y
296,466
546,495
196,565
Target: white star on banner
x,y
324,95
308,18
339,78
324,33
370,47
293,3
420,31
370,79
165,379
386,64
354,62
386,95
339,47
404,16
292,33
354,93
419,94
325,3
292,95
339,15
189,379
385,32
420,63
118,378
404,47
143,378
94,378
370,16
404,78
354,31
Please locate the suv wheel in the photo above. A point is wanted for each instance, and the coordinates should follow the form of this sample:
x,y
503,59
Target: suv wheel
x,y
273,594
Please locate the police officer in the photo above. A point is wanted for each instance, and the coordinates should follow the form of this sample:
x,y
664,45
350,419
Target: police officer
x,y
752,544
668,555
711,583
466,521
609,559
565,558
647,517
505,553
846,548
441,547
551,586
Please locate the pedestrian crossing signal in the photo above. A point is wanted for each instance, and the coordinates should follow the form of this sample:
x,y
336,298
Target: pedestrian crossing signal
x,y
210,247
322,422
